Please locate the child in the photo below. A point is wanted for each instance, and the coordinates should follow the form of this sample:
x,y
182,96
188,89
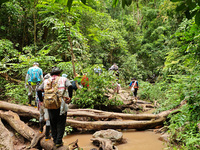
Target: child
x,y
134,85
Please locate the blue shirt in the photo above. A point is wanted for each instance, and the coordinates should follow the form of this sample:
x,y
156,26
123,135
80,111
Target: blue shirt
x,y
34,74
132,82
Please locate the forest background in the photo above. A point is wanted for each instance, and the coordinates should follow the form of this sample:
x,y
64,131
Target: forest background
x,y
154,40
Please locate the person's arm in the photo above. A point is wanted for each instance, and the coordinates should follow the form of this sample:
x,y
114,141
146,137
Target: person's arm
x,y
130,84
70,91
41,75
39,92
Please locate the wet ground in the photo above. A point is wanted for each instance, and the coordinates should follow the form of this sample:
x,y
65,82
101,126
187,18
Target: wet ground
x,y
136,140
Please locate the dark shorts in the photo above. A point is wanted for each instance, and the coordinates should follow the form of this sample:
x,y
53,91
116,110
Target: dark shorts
x,y
135,92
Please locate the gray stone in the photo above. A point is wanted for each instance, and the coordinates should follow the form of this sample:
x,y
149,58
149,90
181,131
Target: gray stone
x,y
113,135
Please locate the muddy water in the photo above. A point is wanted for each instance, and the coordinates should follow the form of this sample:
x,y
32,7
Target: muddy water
x,y
136,140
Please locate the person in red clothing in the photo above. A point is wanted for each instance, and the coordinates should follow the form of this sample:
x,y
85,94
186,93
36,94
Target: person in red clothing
x,y
85,80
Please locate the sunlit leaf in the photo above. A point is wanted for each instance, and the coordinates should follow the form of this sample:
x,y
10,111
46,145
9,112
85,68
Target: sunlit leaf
x,y
115,2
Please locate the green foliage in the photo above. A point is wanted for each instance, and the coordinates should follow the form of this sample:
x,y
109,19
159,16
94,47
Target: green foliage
x,y
16,93
132,67
95,94
191,8
148,38
156,92
68,130
3,82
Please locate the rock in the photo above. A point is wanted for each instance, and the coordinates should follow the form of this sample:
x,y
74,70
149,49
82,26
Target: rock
x,y
111,134
164,137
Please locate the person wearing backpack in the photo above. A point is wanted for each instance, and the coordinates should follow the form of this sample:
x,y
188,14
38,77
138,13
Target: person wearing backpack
x,y
44,115
134,87
33,78
57,94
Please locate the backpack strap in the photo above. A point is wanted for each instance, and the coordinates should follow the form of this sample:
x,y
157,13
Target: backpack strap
x,y
134,84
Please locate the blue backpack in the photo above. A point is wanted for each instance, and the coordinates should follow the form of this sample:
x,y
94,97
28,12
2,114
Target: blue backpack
x,y
35,74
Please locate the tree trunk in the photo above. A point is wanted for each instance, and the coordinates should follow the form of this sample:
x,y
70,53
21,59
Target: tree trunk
x,y
138,13
34,19
5,75
127,124
72,53
123,121
24,130
15,122
21,110
30,112
6,142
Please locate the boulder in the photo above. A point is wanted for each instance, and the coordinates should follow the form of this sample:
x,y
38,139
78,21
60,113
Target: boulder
x,y
113,135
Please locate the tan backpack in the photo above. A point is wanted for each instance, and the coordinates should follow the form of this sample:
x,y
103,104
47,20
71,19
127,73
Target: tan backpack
x,y
51,98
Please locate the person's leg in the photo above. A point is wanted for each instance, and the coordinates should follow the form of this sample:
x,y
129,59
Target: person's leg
x,y
47,132
135,93
54,118
61,128
34,93
41,120
30,97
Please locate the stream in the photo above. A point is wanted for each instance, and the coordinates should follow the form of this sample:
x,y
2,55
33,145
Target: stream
x,y
136,140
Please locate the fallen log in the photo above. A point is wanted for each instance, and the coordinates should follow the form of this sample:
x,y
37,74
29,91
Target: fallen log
x,y
155,120
6,142
127,124
15,122
100,115
5,75
21,110
49,145
27,111
23,129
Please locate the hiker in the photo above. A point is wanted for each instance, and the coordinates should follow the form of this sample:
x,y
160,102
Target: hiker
x,y
115,70
98,70
85,80
33,78
134,87
114,67
44,115
57,94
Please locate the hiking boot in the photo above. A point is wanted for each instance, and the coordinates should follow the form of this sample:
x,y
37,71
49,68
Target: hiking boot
x,y
30,99
59,145
47,138
47,133
41,124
